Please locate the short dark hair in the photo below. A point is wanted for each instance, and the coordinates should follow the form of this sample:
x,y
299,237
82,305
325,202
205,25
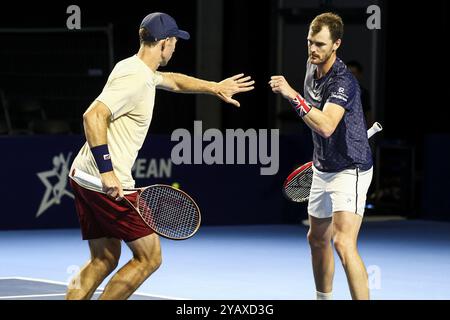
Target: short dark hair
x,y
143,33
330,20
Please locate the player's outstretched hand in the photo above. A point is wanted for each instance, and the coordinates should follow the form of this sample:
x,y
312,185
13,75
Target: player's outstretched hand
x,y
236,84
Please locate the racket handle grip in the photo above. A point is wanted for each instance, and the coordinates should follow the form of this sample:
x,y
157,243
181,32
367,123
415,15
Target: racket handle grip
x,y
374,129
79,174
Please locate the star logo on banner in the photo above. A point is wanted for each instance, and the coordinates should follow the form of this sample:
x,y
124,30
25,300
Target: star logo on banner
x,y
55,182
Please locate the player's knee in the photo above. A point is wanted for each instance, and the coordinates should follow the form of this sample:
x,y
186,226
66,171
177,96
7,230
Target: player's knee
x,y
155,261
318,241
149,264
344,246
106,263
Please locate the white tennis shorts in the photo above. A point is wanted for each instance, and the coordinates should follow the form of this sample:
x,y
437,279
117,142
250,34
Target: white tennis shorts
x,y
338,191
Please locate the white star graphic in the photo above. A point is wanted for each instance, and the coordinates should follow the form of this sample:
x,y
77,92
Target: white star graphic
x,y
54,193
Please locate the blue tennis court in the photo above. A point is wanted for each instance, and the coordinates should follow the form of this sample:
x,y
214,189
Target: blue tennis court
x,y
405,260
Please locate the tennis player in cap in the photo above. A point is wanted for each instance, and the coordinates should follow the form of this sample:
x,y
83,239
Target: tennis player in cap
x,y
116,125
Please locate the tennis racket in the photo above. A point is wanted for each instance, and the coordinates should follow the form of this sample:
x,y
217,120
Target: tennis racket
x,y
297,185
169,212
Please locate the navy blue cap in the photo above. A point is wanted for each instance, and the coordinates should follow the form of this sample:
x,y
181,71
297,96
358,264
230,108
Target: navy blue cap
x,y
160,26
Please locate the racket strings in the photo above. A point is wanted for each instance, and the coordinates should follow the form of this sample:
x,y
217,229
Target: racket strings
x,y
298,188
169,212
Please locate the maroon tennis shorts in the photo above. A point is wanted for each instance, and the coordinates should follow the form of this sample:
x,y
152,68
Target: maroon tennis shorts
x,y
102,217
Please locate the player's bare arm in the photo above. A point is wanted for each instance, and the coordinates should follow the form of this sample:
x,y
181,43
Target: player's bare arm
x,y
95,121
323,122
224,89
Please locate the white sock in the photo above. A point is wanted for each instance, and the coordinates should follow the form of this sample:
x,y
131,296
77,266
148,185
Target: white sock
x,y
324,296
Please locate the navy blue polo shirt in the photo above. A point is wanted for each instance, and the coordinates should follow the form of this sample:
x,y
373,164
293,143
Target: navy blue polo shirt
x,y
348,147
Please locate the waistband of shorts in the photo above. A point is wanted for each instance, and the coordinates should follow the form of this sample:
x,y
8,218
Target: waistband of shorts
x,y
349,170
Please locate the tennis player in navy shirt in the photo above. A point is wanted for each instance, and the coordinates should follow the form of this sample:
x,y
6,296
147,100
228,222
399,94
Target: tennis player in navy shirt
x,y
342,160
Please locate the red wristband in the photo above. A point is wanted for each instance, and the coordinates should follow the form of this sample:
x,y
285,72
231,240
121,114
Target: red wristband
x,y
300,106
